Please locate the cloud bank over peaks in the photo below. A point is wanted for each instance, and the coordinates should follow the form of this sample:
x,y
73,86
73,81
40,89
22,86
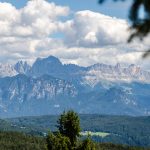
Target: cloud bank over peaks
x,y
84,37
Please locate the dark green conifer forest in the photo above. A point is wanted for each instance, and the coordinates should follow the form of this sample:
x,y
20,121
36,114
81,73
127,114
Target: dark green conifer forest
x,y
65,137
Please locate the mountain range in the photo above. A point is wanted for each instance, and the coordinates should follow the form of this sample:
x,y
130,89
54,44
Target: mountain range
x,y
50,87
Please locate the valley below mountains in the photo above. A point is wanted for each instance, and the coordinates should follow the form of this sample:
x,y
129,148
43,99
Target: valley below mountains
x,y
50,87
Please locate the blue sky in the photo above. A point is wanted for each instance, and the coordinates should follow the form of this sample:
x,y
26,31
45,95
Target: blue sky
x,y
119,9
110,8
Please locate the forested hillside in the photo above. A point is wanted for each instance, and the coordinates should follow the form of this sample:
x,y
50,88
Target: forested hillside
x,y
20,141
120,129
28,133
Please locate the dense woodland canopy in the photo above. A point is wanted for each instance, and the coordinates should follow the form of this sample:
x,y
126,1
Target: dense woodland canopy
x,y
20,141
60,139
133,131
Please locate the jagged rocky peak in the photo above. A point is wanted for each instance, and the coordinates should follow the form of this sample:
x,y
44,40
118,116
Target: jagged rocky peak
x,y
99,66
22,67
134,69
7,70
119,65
50,65
118,72
94,73
51,60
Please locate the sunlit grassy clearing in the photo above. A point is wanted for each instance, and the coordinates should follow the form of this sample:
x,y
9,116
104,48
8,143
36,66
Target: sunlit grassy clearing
x,y
100,134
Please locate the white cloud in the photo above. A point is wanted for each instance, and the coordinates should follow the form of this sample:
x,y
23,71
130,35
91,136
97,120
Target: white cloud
x,y
22,30
38,18
8,13
88,56
88,37
93,37
90,29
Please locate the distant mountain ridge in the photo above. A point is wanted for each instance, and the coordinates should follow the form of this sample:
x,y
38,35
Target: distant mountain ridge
x,y
91,74
50,87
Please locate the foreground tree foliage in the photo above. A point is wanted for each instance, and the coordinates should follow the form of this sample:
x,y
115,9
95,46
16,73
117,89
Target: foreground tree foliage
x,y
68,133
140,26
20,141
110,146
87,144
58,142
69,126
